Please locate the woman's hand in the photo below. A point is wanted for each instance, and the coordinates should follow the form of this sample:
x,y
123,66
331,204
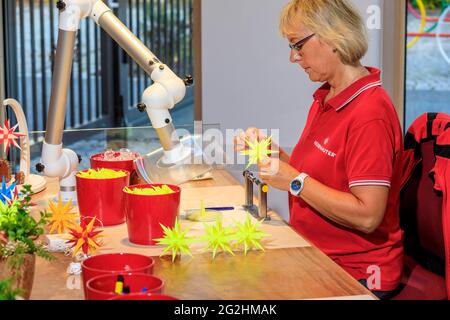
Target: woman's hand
x,y
251,134
277,174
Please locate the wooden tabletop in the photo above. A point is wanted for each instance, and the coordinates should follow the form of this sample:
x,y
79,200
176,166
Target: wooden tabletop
x,y
298,272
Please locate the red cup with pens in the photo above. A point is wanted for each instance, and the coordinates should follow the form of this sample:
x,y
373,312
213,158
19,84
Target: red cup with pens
x,y
114,264
107,286
143,296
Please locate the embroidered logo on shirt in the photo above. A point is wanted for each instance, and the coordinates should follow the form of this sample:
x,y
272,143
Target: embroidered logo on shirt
x,y
324,150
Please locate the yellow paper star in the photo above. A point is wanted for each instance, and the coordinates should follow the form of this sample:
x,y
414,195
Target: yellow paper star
x,y
218,238
176,241
62,219
249,235
85,238
257,150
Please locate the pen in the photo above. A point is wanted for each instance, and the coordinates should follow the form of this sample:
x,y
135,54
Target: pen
x,y
220,208
126,290
119,285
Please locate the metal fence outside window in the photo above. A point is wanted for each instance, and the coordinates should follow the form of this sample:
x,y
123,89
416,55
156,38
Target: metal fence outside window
x,y
106,84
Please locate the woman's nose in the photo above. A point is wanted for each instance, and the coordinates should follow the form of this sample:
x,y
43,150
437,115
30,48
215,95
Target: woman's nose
x,y
295,56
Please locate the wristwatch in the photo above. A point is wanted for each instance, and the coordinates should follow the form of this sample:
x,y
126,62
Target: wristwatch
x,y
298,184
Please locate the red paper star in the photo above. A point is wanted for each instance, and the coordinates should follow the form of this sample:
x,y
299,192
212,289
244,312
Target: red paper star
x,y
8,136
85,237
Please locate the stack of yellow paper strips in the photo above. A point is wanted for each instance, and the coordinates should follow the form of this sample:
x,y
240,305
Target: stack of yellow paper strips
x,y
153,191
101,174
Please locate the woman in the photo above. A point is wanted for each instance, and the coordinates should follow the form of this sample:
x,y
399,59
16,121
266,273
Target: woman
x,y
343,175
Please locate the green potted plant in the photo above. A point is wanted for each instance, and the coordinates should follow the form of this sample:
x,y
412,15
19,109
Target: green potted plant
x,y
8,292
19,240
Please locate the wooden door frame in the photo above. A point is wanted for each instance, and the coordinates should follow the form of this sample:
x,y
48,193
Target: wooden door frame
x,y
394,52
2,60
197,42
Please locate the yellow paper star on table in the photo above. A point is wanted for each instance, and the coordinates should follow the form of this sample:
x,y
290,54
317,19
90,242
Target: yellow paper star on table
x,y
176,240
249,235
218,238
62,219
85,237
258,150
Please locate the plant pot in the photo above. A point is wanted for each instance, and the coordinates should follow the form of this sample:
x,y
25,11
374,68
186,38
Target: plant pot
x,y
102,287
24,275
98,161
114,263
103,199
143,296
145,213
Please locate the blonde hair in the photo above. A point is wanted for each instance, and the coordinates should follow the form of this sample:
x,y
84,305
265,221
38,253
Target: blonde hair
x,y
336,22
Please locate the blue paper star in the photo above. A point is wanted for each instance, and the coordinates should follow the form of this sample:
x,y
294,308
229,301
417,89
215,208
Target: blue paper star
x,y
6,193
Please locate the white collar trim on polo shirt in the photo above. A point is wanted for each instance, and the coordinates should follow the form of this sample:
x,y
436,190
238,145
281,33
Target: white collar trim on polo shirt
x,y
353,97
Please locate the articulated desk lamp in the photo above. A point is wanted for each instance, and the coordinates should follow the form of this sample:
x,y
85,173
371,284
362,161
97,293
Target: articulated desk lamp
x,y
176,162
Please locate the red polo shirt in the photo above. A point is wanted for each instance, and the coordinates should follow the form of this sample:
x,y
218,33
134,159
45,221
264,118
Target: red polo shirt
x,y
354,139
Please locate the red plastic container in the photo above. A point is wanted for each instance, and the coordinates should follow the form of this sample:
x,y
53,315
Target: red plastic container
x,y
102,198
102,287
143,296
145,213
114,263
97,162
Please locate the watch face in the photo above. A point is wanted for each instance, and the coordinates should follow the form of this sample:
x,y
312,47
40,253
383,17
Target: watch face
x,y
295,185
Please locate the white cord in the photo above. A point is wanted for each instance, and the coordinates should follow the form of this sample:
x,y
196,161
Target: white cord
x,y
439,31
74,268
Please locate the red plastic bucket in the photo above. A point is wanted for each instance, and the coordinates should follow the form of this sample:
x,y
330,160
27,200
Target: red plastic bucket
x,y
102,198
143,296
97,162
145,213
114,263
102,287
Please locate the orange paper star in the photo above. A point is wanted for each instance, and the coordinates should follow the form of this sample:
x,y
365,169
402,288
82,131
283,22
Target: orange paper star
x,y
85,237
62,219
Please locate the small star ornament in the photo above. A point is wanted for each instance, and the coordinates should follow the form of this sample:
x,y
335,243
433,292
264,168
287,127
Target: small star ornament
x,y
249,235
8,136
85,238
257,150
7,193
218,238
176,240
62,218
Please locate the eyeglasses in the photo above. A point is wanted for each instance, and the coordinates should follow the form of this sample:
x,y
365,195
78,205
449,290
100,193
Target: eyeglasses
x,y
298,45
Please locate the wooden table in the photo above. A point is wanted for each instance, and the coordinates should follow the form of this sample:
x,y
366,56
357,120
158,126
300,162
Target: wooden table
x,y
289,269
